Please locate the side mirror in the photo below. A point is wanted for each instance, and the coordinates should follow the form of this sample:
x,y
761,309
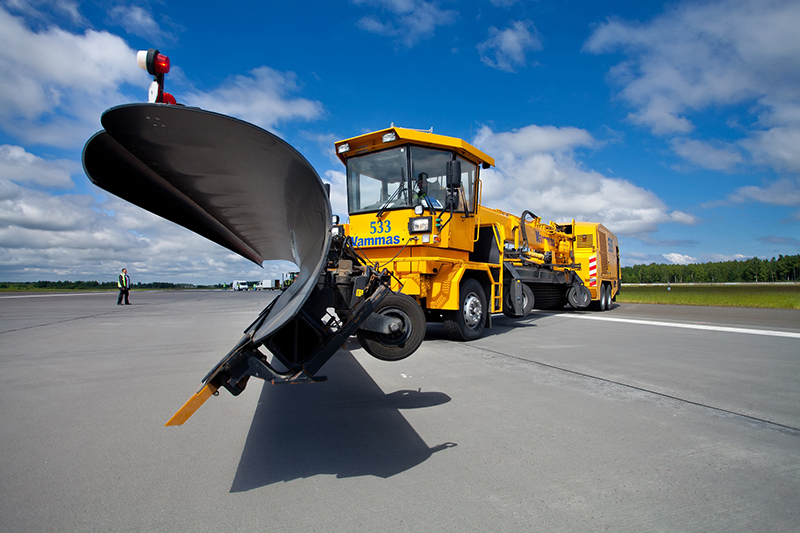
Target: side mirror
x,y
453,174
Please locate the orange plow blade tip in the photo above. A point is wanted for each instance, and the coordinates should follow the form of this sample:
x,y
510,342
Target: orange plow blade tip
x,y
192,405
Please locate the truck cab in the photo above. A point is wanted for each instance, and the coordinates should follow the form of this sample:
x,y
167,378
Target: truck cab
x,y
400,194
414,205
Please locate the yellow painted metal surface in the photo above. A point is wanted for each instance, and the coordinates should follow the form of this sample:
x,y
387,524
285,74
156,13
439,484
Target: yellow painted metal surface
x,y
374,141
431,266
192,405
595,243
391,229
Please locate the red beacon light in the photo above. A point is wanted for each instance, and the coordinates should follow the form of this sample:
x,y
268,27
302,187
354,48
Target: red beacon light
x,y
153,61
156,64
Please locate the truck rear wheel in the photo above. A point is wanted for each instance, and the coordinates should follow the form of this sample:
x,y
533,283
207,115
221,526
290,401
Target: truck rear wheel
x,y
468,321
608,296
600,303
527,303
396,346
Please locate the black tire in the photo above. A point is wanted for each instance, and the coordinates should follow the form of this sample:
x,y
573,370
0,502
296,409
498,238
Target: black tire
x,y
468,322
602,303
578,297
396,346
609,298
527,302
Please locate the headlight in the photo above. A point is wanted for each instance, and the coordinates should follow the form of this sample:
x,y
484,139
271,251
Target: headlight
x,y
389,137
337,230
420,225
344,147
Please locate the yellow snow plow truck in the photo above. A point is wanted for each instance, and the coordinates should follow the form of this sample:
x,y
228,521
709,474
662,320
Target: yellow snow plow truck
x,y
414,200
418,246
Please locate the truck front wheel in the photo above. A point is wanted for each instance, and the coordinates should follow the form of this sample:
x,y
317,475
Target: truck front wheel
x,y
468,321
399,345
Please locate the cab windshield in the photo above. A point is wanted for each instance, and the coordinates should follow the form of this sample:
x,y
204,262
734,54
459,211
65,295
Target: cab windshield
x,y
405,177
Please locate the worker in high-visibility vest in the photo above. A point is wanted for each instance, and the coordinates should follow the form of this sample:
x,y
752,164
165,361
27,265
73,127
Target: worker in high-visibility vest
x,y
124,285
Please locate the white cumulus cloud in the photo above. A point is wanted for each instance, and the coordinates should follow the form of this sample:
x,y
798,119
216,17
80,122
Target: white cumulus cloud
x,y
55,84
138,21
20,166
408,21
720,258
507,49
78,236
776,146
537,171
784,192
706,155
716,55
679,259
263,97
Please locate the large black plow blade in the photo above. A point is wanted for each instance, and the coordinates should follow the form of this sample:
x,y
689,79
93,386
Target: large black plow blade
x,y
249,191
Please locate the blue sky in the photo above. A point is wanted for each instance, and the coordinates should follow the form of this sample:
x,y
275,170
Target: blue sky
x,y
675,124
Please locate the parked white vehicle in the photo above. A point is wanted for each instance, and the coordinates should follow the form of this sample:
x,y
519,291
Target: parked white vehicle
x,y
268,285
240,286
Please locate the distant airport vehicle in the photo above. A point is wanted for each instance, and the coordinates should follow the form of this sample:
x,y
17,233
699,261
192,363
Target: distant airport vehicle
x,y
288,279
418,246
267,285
239,286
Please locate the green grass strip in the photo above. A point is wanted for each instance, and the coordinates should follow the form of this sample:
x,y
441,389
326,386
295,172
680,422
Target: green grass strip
x,y
749,295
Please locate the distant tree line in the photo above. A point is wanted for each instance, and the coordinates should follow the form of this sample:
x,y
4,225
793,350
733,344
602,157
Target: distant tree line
x,y
96,285
784,268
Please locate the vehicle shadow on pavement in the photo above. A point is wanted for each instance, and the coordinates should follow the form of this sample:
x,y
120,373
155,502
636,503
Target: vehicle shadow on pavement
x,y
500,325
347,427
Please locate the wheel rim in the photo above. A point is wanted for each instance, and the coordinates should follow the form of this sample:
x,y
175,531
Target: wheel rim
x,y
472,310
585,296
395,339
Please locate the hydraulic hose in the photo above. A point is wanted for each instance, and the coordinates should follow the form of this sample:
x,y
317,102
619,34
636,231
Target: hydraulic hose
x,y
522,226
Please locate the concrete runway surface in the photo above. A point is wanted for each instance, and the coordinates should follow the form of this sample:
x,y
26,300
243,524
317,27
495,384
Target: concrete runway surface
x,y
643,418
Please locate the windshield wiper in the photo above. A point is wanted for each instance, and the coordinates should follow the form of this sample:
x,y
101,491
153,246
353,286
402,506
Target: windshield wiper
x,y
394,194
